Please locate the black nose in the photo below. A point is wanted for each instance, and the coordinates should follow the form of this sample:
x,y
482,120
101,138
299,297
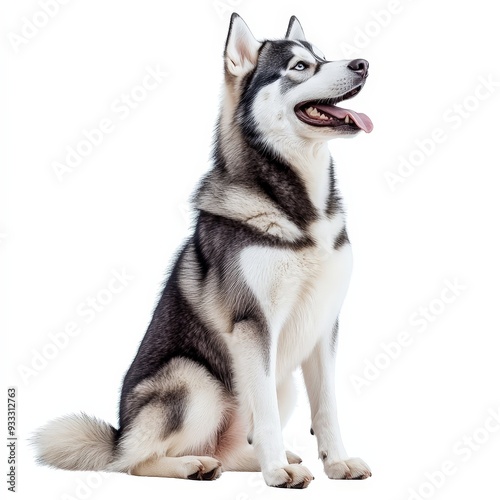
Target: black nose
x,y
359,66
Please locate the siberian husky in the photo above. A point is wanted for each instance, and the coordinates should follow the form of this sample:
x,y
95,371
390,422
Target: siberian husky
x,y
254,294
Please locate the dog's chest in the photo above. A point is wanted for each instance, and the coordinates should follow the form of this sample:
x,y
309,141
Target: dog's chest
x,y
300,291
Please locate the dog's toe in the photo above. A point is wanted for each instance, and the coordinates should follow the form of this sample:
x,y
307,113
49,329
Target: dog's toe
x,y
292,476
208,469
352,468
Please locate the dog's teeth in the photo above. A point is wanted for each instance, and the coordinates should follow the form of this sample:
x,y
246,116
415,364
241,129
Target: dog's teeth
x,y
347,119
314,113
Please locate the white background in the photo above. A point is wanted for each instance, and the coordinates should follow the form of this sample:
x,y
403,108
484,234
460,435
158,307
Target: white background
x,y
125,207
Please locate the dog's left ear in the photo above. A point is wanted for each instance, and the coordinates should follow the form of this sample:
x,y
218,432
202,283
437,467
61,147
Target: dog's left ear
x,y
242,49
295,31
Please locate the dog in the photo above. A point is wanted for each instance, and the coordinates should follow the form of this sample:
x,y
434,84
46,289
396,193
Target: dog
x,y
254,294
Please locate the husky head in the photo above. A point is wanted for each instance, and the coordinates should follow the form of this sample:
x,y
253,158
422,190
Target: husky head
x,y
282,90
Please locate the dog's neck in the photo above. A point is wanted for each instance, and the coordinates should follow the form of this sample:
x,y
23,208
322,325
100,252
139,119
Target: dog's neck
x,y
311,160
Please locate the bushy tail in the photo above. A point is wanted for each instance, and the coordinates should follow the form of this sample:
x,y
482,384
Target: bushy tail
x,y
76,442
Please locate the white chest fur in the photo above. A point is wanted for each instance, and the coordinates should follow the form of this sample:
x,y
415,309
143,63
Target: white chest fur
x,y
300,292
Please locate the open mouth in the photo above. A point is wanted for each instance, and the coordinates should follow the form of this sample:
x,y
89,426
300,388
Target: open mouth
x,y
326,113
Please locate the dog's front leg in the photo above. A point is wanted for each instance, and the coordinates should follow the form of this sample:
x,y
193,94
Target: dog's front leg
x,y
254,364
318,372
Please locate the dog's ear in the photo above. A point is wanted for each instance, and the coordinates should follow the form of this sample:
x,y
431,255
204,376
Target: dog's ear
x,y
242,49
295,31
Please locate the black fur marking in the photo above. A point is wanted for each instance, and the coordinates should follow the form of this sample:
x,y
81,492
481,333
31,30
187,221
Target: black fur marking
x,y
341,239
333,204
318,67
172,403
312,432
283,186
135,403
175,403
310,48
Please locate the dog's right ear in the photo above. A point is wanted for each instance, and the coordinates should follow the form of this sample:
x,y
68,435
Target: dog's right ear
x,y
295,31
242,49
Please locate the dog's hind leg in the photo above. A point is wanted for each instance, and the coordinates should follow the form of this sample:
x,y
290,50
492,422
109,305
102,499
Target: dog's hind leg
x,y
188,467
173,424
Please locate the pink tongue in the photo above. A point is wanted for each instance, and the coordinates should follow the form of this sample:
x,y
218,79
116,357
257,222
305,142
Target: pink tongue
x,y
360,119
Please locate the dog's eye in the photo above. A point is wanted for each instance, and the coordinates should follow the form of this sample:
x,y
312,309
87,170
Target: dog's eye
x,y
300,66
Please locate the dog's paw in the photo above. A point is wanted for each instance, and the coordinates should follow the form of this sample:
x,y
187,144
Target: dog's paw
x,y
202,468
352,468
290,476
292,458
